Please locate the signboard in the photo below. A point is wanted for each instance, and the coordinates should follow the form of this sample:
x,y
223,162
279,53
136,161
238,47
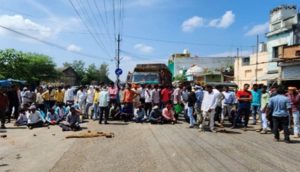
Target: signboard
x,y
118,71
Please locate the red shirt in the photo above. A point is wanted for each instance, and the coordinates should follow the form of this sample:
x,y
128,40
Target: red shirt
x,y
244,94
166,95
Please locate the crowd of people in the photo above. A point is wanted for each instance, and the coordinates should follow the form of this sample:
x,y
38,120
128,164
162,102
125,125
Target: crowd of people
x,y
68,106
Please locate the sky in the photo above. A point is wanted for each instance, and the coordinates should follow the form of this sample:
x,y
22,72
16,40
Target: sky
x,y
150,30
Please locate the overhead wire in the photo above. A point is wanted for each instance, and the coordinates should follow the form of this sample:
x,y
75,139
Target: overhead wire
x,y
105,25
87,27
49,43
87,12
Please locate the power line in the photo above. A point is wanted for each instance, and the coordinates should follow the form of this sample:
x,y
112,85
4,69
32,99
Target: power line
x,y
82,20
50,43
97,23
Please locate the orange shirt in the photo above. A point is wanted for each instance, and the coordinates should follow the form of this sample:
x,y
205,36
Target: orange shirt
x,y
128,96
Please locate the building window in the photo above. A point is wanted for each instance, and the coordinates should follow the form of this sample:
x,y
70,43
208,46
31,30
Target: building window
x,y
275,52
297,54
246,61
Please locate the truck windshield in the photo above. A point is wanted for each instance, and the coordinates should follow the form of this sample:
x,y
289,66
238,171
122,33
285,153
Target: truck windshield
x,y
144,77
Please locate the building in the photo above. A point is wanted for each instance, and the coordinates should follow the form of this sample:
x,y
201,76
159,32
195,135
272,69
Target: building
x,y
284,30
253,69
178,64
290,65
68,76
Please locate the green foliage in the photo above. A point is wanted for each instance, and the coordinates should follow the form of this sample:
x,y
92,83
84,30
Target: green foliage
x,y
180,78
31,67
91,73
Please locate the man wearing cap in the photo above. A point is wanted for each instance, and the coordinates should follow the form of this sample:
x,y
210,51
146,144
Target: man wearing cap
x,y
34,118
294,97
4,103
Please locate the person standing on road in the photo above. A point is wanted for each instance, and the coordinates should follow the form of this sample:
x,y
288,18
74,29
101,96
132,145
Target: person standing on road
x,y
199,96
4,104
244,98
177,101
81,98
294,98
208,107
14,102
113,93
265,96
191,103
148,101
255,103
104,105
218,110
227,103
89,101
128,97
96,103
282,109
155,96
59,95
166,94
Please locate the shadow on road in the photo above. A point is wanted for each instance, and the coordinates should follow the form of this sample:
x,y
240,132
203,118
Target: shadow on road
x,y
14,128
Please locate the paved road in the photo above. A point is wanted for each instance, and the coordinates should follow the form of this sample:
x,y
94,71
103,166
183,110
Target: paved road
x,y
145,147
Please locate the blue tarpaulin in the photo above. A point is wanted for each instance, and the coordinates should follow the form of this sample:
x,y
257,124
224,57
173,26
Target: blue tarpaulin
x,y
5,83
10,82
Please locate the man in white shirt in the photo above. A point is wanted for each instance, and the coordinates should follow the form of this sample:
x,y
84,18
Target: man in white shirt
x,y
103,105
148,101
89,101
34,118
208,106
81,98
69,95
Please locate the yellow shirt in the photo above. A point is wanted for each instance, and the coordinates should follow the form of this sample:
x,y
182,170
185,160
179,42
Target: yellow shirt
x,y
59,96
96,97
48,96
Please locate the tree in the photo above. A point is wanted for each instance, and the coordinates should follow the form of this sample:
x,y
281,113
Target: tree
x,y
103,73
31,67
180,78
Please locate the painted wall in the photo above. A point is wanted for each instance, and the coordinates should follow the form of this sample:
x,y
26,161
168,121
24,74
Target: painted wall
x,y
246,73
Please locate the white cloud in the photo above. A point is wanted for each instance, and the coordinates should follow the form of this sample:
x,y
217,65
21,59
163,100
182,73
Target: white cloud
x,y
73,48
144,48
225,21
26,25
192,23
231,54
258,29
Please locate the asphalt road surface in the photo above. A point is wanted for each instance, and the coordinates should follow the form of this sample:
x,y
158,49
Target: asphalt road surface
x,y
145,147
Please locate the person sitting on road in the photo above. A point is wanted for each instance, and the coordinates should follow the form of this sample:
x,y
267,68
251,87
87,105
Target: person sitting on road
x,y
155,115
22,119
52,118
72,121
115,111
168,115
139,114
34,118
61,111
